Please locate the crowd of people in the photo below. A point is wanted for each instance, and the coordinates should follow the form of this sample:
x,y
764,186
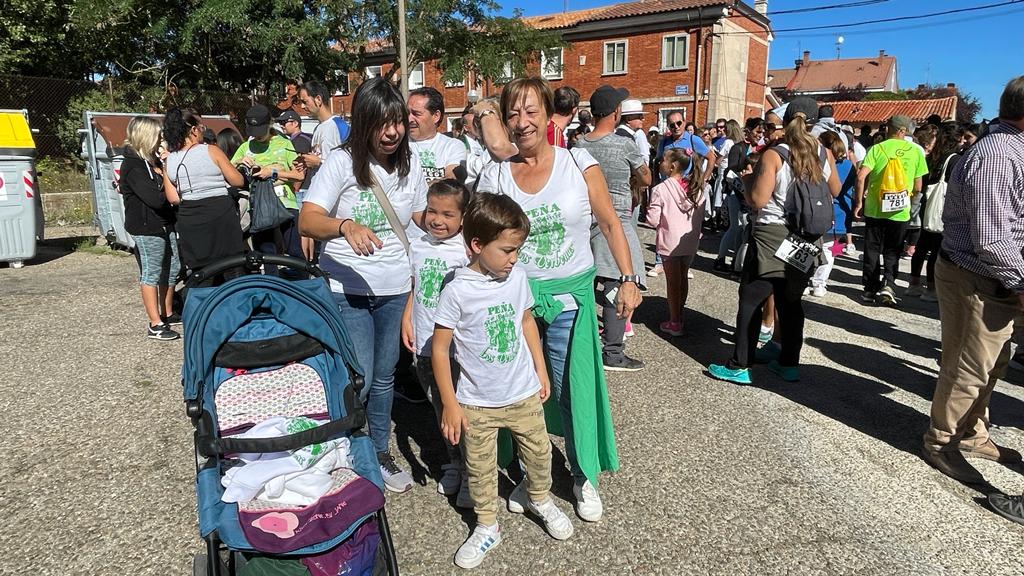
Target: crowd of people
x,y
510,246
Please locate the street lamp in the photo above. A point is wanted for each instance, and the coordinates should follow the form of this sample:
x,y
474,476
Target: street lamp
x,y
839,45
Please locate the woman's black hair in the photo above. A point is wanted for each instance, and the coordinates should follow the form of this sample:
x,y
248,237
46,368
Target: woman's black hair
x,y
377,103
688,125
453,188
177,124
229,140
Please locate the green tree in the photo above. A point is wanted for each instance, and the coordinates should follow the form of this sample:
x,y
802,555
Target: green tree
x,y
460,35
967,106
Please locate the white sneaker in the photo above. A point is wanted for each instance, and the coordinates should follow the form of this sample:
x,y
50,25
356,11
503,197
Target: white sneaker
x,y
807,291
588,501
689,274
476,547
518,499
555,521
655,271
451,480
464,500
819,291
395,479
849,249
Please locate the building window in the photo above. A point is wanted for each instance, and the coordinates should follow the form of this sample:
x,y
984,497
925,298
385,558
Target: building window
x,y
373,72
416,78
674,52
615,57
551,64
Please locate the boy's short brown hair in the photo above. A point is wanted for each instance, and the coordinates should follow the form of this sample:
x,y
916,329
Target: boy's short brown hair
x,y
488,215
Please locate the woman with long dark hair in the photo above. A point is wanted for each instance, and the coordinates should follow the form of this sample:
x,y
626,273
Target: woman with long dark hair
x,y
196,180
364,252
765,274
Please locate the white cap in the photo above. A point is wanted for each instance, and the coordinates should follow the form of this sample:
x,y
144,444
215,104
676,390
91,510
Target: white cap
x,y
632,106
654,129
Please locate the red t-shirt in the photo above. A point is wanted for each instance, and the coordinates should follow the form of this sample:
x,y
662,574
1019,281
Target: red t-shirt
x,y
555,135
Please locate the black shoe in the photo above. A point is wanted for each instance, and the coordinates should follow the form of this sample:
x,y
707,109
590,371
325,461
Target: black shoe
x,y
411,392
868,296
1009,507
172,320
622,364
162,332
721,266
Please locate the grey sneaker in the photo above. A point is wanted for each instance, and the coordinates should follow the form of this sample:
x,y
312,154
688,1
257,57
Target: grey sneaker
x,y
622,364
1009,507
395,479
887,296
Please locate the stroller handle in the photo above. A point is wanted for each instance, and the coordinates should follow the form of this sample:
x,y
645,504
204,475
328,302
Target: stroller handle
x,y
250,261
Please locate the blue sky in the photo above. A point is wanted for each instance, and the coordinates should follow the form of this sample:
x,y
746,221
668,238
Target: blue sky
x,y
979,51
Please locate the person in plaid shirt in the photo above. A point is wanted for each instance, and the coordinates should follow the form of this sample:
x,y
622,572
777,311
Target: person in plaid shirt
x,y
980,277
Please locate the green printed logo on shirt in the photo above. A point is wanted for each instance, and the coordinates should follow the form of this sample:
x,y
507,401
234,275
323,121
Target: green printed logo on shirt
x,y
367,211
428,284
428,162
502,340
546,247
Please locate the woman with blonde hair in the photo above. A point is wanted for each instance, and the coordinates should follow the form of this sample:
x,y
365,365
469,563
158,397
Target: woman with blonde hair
x,y
560,190
150,219
800,157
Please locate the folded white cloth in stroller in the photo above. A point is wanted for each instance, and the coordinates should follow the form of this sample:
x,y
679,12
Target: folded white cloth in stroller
x,y
298,477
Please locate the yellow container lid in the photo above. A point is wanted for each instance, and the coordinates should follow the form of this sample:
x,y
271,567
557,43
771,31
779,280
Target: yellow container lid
x,y
14,131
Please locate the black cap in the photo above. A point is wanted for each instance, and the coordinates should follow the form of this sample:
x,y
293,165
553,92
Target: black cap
x,y
825,111
287,115
801,105
257,120
606,99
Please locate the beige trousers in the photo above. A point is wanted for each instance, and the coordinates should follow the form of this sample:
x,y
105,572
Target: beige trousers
x,y
525,420
977,315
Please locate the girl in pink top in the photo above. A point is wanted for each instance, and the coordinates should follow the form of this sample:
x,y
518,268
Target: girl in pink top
x,y
676,211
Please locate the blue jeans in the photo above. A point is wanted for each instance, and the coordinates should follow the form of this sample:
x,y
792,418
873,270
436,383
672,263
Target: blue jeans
x,y
376,320
555,339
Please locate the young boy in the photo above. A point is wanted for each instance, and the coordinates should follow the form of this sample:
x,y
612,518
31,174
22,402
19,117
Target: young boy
x,y
502,383
434,255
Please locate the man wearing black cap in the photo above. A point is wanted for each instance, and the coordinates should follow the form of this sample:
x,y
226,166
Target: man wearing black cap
x,y
619,158
275,156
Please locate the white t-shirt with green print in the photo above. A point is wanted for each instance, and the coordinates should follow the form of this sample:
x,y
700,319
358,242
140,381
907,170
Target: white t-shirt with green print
x,y
386,272
437,153
486,315
560,216
432,260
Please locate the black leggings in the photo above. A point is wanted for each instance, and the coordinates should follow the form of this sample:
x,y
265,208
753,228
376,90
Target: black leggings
x,y
788,293
927,248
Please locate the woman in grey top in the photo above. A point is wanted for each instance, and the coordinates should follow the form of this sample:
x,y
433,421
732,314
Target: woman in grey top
x,y
620,160
196,180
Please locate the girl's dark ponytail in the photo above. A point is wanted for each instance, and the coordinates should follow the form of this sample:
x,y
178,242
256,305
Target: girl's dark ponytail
x,y
176,128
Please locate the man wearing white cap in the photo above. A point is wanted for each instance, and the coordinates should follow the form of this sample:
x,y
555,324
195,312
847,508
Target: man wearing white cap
x,y
632,126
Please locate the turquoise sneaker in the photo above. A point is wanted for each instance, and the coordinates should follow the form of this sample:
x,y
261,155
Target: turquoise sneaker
x,y
787,373
764,337
767,353
735,375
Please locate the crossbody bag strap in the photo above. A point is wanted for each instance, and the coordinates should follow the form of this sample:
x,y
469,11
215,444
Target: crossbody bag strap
x,y
389,211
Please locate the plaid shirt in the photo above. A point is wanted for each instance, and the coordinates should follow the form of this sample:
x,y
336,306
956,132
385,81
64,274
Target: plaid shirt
x,y
983,217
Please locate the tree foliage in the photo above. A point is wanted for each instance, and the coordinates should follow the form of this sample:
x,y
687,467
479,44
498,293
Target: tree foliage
x,y
967,106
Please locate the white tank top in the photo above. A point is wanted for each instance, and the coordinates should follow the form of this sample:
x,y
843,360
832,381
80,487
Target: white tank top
x,y
775,212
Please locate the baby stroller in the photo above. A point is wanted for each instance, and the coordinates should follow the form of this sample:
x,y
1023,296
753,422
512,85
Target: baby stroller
x,y
271,354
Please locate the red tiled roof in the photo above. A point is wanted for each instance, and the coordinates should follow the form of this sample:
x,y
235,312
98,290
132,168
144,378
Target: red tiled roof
x,y
825,75
881,110
569,19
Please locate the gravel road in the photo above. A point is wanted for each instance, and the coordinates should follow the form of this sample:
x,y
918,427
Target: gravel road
x,y
816,477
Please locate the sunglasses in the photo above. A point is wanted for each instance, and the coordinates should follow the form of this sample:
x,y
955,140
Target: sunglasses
x,y
675,124
720,127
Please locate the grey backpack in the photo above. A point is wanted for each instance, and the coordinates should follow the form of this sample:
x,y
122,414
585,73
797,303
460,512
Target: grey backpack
x,y
808,204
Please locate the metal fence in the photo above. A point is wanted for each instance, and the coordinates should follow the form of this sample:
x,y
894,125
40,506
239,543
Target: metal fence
x,y
55,105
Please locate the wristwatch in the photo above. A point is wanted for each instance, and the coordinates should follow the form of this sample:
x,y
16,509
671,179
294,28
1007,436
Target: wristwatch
x,y
634,278
273,175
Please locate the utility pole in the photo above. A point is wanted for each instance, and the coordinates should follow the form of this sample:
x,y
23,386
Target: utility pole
x,y
403,56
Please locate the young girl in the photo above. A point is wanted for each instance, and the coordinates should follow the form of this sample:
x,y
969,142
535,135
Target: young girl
x,y
676,212
434,254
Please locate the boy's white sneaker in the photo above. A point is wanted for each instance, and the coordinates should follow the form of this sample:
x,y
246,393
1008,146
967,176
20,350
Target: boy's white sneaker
x,y
556,522
476,547
451,480
588,501
518,499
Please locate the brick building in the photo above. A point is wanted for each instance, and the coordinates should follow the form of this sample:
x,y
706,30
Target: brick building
x,y
706,58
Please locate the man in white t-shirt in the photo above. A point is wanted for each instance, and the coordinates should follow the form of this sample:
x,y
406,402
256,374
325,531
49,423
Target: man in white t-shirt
x,y
439,154
329,133
632,126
